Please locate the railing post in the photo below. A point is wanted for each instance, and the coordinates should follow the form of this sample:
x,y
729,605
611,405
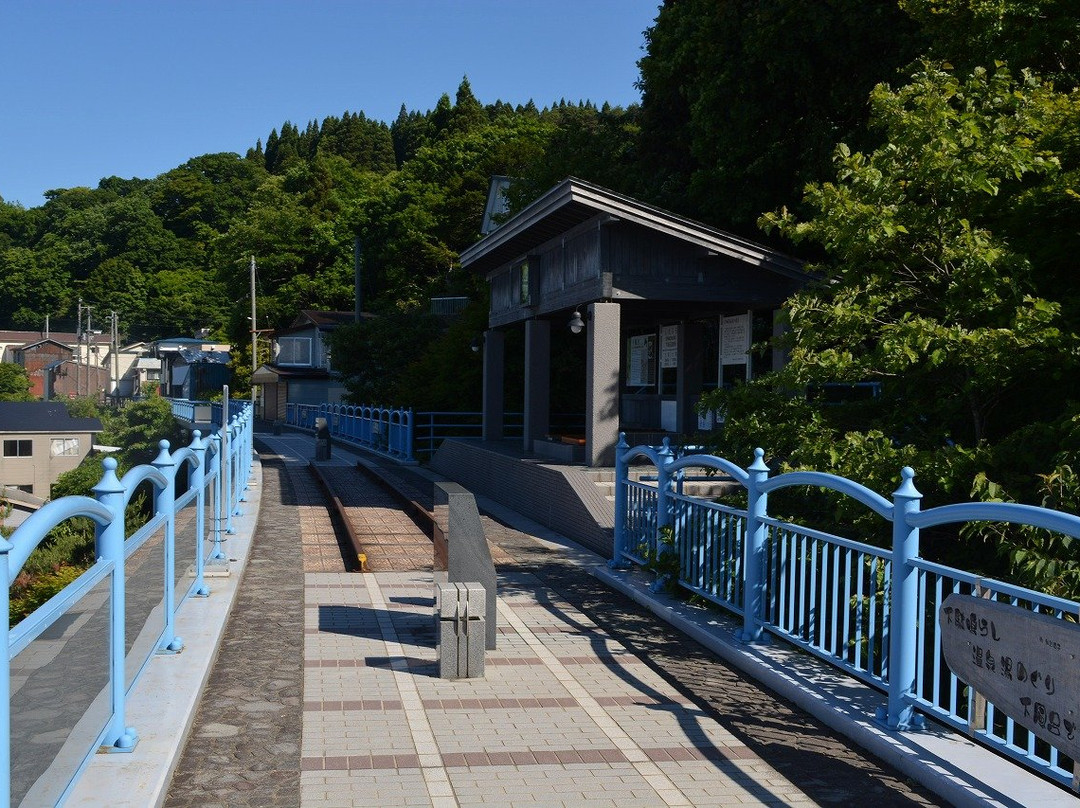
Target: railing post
x,y
904,607
249,453
245,450
197,480
235,474
165,502
622,474
241,466
227,478
754,549
664,515
110,546
5,680
409,436
218,491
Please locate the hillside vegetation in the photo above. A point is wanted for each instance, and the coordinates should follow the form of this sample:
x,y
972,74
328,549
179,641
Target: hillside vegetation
x,y
923,157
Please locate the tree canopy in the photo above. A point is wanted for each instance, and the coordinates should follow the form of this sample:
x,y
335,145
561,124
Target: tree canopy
x,y
923,156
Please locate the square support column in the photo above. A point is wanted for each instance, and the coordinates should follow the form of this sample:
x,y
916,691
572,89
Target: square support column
x,y
537,381
602,383
494,352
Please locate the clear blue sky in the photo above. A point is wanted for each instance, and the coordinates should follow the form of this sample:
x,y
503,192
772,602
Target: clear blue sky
x,y
133,88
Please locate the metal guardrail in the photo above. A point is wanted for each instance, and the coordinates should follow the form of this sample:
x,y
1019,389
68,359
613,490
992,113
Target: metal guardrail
x,y
402,433
71,663
204,412
867,610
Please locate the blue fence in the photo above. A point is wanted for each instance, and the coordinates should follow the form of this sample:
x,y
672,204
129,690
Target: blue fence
x,y
869,611
73,661
395,432
204,412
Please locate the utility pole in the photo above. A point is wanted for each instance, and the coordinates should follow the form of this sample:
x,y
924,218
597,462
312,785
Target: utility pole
x,y
254,337
78,347
89,338
114,348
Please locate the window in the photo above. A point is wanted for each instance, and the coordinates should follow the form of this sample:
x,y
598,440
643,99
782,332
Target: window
x,y
18,448
524,290
64,447
294,351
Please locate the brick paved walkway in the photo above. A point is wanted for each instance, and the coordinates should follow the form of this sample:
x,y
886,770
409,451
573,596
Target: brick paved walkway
x,y
587,701
244,746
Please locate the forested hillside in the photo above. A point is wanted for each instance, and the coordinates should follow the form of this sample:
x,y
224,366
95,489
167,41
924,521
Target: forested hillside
x,y
924,156
170,254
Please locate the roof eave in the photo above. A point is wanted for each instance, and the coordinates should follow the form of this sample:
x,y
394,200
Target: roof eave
x,y
601,201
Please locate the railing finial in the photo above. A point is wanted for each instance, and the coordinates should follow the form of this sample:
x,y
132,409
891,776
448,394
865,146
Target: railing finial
x,y
907,489
759,463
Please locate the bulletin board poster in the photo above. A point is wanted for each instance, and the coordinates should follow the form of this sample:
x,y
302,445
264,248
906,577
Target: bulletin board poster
x,y
669,346
734,339
641,364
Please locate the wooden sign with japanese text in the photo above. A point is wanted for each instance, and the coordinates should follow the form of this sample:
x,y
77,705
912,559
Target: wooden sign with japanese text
x,y
1022,662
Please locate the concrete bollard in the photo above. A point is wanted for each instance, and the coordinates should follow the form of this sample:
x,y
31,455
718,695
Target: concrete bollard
x,y
460,630
461,550
322,439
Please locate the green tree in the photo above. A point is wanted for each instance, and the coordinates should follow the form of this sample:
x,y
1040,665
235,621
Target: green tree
x,y
31,288
372,355
744,100
14,383
1042,35
920,292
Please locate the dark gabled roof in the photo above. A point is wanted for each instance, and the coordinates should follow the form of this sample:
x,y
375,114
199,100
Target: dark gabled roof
x,y
36,343
65,338
322,320
575,201
286,373
42,416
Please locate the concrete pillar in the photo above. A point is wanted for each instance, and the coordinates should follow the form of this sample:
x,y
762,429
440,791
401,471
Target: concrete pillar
x,y
537,380
688,383
494,352
604,337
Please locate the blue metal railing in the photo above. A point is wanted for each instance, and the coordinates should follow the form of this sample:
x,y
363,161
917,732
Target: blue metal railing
x,y
867,610
395,432
117,614
204,412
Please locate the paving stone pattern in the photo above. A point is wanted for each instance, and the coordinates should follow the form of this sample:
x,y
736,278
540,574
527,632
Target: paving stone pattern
x,y
244,746
827,767
588,700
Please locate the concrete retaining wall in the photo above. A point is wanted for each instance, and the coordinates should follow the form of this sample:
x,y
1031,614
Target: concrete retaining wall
x,y
563,498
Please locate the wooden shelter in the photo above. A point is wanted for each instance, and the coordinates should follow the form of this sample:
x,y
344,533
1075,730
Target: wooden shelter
x,y
666,307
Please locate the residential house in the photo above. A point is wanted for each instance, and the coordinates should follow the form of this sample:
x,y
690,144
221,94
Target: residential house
x,y
300,372
198,374
38,355
176,368
41,440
